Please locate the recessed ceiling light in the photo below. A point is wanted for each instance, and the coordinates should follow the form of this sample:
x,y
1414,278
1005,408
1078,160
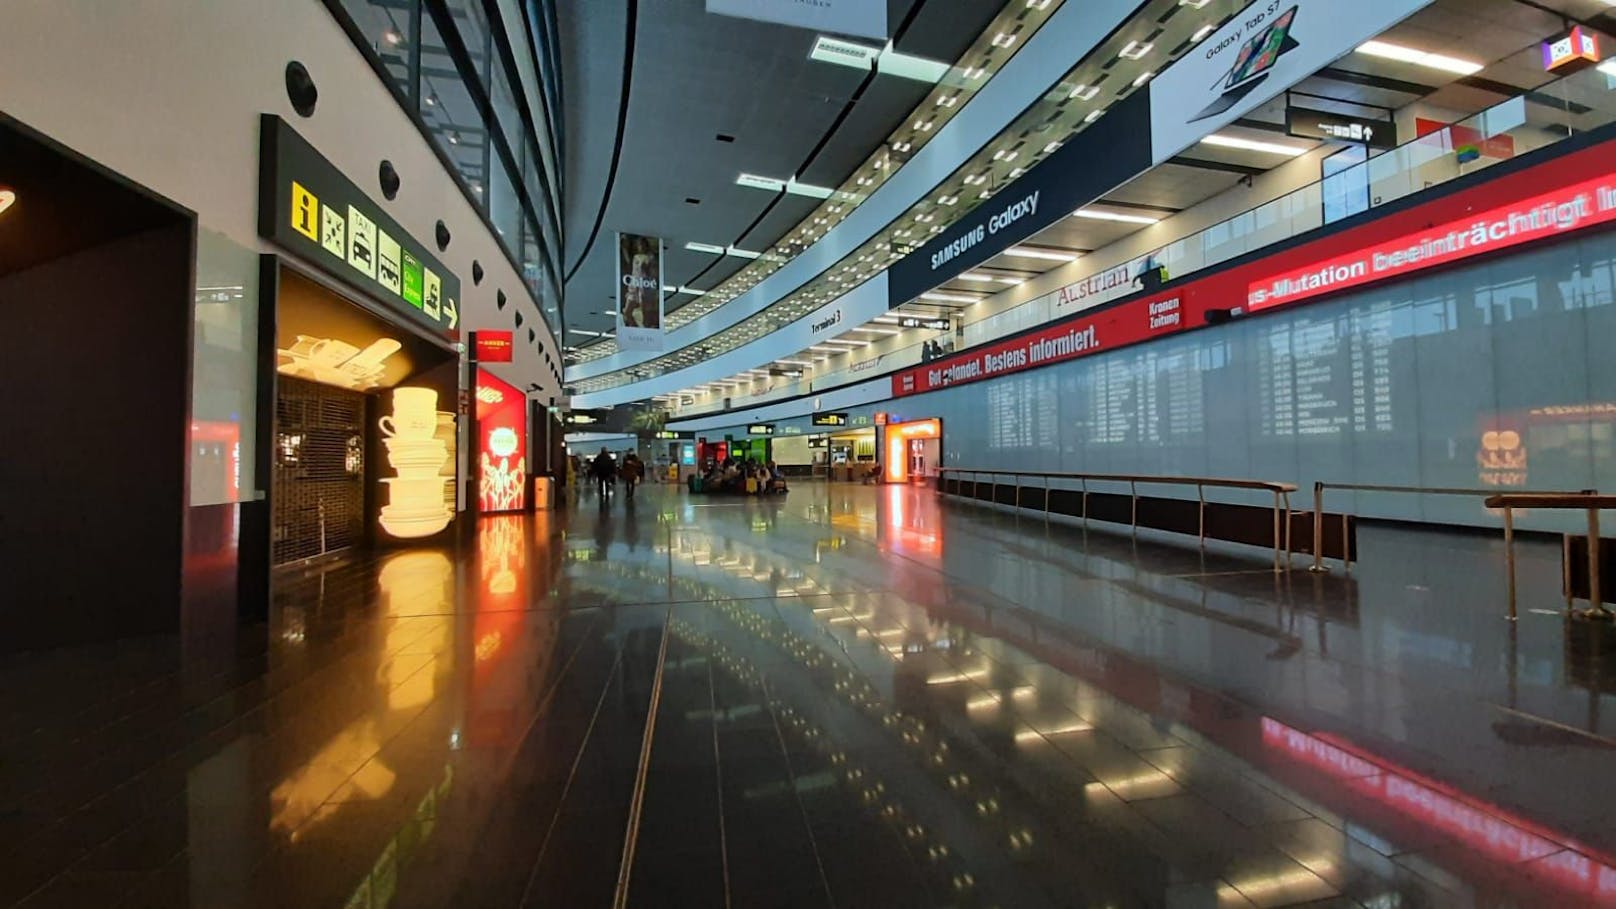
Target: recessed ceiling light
x,y
705,248
1608,67
975,276
1095,215
947,298
1032,252
844,53
756,182
1418,57
1273,148
1135,50
1142,78
1202,32
8,197
1093,115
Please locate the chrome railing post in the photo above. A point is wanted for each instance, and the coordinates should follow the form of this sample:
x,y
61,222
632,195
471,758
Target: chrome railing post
x,y
1276,530
1049,480
1200,531
1509,559
1318,531
1289,528
1085,501
1596,597
1133,516
1016,478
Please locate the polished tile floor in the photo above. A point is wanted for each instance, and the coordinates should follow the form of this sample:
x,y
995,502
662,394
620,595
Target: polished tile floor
x,y
856,696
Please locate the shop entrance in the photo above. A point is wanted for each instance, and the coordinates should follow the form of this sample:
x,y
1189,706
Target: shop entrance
x,y
365,440
914,451
319,484
851,454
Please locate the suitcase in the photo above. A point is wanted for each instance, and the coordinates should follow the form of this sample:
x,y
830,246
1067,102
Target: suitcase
x,y
751,486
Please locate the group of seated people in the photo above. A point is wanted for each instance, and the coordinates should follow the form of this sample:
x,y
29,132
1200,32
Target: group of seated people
x,y
733,475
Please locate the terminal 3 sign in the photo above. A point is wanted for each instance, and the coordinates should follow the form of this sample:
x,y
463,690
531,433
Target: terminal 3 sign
x,y
1562,195
306,205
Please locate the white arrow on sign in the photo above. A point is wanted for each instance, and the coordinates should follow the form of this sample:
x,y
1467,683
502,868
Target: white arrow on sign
x,y
454,314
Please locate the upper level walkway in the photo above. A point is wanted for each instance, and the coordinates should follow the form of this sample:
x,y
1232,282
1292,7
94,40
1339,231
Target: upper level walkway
x,y
854,696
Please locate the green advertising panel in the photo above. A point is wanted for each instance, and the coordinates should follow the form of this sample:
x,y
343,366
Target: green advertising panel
x,y
307,206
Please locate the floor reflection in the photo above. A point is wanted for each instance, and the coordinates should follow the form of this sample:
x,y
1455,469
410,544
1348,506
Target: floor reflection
x,y
867,699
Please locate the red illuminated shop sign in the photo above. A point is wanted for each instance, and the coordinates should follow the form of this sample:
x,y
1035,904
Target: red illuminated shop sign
x,y
1545,215
501,445
1558,197
492,346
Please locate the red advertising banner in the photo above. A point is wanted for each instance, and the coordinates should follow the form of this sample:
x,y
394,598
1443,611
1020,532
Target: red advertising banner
x,y
501,445
1119,326
1558,197
1559,211
488,346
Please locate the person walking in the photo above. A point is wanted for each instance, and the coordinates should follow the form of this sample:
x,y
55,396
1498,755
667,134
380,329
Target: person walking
x,y
633,472
604,470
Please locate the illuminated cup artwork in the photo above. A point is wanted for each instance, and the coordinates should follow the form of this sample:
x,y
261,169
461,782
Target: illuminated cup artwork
x,y
415,501
333,361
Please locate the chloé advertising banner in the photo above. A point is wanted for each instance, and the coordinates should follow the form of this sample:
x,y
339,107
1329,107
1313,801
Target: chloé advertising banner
x,y
307,206
639,292
864,18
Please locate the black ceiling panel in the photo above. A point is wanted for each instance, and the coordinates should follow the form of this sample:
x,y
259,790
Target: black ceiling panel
x,y
880,110
785,215
944,29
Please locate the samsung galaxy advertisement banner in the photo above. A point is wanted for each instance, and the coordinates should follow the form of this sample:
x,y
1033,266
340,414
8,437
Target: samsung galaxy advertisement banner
x,y
1266,48
639,292
865,18
1109,153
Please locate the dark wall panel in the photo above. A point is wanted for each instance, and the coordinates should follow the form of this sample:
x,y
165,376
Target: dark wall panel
x,y
95,368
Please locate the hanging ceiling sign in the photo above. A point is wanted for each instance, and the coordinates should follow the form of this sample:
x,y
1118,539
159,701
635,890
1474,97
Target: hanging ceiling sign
x,y
1317,124
930,324
830,419
842,17
1576,50
760,429
307,206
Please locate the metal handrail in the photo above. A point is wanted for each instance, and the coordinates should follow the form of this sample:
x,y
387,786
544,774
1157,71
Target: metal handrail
x,y
1591,502
1281,492
1318,509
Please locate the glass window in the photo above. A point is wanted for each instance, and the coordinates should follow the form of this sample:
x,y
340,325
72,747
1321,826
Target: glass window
x,y
1346,185
450,112
506,115
505,207
473,29
388,27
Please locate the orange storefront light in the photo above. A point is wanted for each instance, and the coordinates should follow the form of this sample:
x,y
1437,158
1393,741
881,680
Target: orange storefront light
x,y
898,437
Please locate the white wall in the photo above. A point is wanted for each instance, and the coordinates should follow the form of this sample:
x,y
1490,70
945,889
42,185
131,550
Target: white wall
x,y
168,95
